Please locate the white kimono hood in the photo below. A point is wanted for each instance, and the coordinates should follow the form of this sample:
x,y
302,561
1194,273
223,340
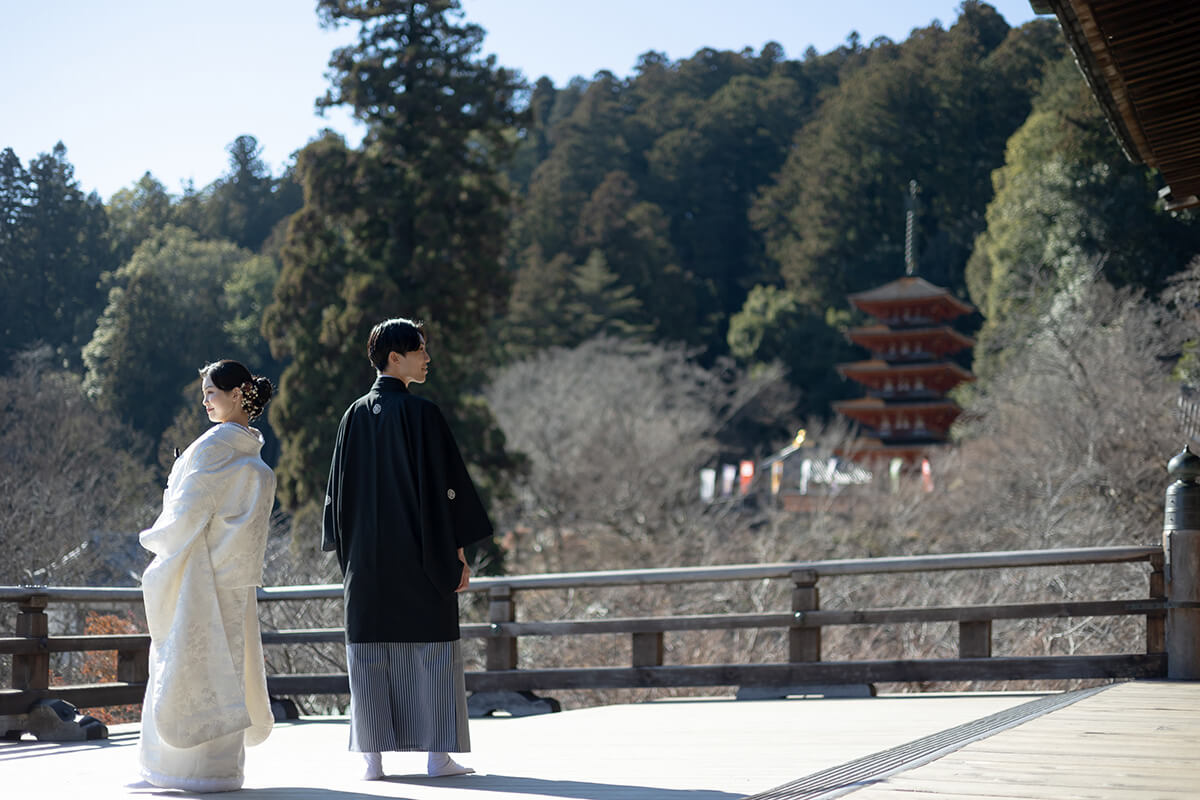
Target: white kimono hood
x,y
207,672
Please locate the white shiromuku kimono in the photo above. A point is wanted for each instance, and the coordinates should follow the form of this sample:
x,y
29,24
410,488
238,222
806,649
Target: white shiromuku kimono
x,y
206,698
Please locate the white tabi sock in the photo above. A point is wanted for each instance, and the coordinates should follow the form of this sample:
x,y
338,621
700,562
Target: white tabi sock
x,y
374,766
442,765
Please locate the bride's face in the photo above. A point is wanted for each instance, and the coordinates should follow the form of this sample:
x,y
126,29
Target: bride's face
x,y
221,405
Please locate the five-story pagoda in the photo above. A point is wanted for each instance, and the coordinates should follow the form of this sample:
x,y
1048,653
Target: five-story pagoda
x,y
906,411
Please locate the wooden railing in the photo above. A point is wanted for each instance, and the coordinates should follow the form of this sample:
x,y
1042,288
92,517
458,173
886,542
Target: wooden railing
x,y
31,646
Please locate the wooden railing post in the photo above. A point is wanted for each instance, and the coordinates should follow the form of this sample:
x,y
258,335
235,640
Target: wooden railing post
x,y
975,639
501,650
133,666
32,670
1181,566
804,643
1156,626
648,649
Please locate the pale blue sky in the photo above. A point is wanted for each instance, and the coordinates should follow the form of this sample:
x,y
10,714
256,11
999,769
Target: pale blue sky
x,y
131,86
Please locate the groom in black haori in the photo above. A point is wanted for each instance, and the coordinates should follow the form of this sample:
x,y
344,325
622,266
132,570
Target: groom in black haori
x,y
399,510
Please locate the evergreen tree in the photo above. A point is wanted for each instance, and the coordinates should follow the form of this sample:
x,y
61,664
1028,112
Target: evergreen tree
x,y
774,326
558,304
706,171
1068,207
535,318
172,308
54,246
587,145
409,224
534,140
245,204
937,108
632,237
600,302
659,171
136,212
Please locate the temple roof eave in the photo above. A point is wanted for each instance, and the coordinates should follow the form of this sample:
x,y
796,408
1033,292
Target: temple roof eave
x,y
937,310
878,404
910,288
877,332
880,367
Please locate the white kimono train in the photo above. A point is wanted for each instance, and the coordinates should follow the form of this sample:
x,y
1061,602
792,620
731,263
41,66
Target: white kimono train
x,y
206,698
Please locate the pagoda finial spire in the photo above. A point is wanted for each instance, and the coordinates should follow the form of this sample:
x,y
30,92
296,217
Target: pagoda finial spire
x,y
910,223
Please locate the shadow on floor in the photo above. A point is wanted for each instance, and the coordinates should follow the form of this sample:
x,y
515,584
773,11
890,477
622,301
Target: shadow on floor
x,y
143,789
32,748
577,790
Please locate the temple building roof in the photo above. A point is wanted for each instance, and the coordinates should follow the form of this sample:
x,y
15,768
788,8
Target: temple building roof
x,y
879,405
914,379
902,420
916,294
909,342
909,287
879,366
1141,59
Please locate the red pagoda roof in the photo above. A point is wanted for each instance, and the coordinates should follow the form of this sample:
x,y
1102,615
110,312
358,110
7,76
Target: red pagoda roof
x,y
902,419
939,340
921,376
876,404
910,300
869,449
917,368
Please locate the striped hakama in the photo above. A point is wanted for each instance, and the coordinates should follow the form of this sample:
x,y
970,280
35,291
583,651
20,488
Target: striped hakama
x,y
407,696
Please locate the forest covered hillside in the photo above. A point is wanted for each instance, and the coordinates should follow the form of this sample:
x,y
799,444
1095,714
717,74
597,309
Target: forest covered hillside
x,y
623,278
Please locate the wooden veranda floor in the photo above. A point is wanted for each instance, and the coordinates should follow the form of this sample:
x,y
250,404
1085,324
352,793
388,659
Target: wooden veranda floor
x,y
1130,741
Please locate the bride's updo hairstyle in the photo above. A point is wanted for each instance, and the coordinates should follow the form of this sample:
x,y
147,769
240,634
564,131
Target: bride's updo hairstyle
x,y
228,374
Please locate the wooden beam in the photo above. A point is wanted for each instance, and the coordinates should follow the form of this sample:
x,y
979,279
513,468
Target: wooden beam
x,y
840,672
96,695
1152,607
672,575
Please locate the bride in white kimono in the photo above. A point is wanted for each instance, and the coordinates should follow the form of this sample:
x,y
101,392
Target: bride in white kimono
x,y
206,698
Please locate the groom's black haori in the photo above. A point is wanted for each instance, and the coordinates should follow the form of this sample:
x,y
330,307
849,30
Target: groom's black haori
x,y
399,505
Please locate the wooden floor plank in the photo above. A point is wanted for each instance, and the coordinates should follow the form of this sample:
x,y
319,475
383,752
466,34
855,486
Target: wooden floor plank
x,y
1066,776
719,749
1133,741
